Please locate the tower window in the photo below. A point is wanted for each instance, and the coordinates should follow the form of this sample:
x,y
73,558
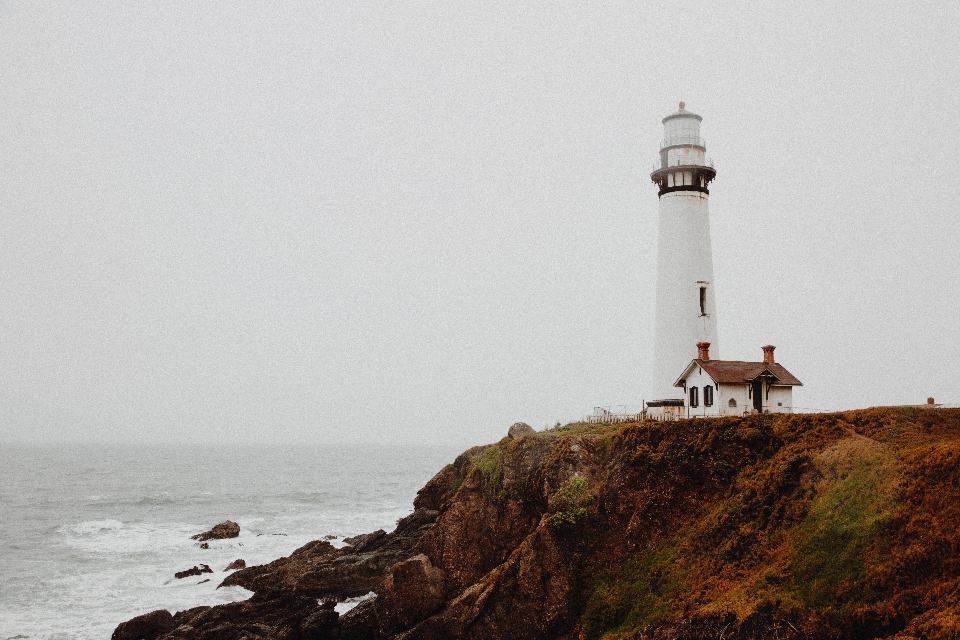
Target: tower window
x,y
694,397
669,179
703,301
708,395
688,177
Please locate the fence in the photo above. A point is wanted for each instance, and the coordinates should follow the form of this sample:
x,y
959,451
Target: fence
x,y
617,414
657,166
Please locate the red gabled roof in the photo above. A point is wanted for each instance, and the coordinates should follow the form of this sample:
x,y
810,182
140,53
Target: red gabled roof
x,y
739,372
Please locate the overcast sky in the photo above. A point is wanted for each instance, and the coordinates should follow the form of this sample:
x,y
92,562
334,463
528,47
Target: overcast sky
x,y
412,221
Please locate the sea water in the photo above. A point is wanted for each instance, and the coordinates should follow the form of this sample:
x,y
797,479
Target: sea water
x,y
92,536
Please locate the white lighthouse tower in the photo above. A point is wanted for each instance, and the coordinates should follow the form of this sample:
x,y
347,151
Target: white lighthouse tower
x,y
686,310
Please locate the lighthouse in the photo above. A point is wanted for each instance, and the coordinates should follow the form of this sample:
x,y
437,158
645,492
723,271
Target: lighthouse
x,y
686,303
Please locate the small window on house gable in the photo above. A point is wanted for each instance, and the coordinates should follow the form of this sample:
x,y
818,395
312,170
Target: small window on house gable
x,y
732,403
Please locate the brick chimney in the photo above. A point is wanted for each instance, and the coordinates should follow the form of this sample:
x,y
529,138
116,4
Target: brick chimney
x,y
703,350
768,353
929,400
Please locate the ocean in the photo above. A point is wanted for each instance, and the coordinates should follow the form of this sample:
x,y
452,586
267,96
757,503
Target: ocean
x,y
92,536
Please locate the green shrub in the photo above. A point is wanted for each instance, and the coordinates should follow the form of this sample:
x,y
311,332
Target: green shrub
x,y
490,465
569,503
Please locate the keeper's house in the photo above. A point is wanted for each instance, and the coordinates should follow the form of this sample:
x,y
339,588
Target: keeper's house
x,y
734,387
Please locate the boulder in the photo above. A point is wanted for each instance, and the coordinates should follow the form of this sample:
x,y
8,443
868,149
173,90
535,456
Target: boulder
x,y
413,590
194,571
239,563
228,529
520,429
366,541
320,625
146,627
323,571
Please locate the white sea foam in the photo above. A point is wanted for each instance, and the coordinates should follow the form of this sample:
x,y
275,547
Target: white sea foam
x,y
95,526
350,603
96,539
113,537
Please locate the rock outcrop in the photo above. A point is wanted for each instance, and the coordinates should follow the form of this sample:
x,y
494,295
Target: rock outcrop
x,y
519,429
239,563
193,571
322,571
412,590
146,627
791,526
222,531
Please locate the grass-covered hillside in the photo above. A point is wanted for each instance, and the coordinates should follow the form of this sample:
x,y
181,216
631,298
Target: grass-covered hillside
x,y
841,525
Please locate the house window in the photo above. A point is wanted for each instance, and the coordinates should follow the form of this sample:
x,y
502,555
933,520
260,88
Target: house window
x,y
703,301
708,395
732,403
694,397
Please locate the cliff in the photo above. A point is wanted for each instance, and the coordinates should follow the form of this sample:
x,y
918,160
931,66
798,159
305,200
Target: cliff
x,y
843,525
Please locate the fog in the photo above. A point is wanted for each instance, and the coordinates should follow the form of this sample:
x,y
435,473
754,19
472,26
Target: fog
x,y
297,222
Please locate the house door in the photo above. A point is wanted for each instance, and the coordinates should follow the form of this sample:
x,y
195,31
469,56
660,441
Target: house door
x,y
758,395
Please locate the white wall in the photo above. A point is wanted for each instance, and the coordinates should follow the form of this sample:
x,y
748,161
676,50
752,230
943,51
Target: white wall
x,y
699,379
684,260
739,393
779,400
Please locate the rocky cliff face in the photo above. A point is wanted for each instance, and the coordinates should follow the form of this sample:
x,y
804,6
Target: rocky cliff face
x,y
791,526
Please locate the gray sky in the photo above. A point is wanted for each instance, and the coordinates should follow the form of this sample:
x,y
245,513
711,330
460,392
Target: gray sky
x,y
414,221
